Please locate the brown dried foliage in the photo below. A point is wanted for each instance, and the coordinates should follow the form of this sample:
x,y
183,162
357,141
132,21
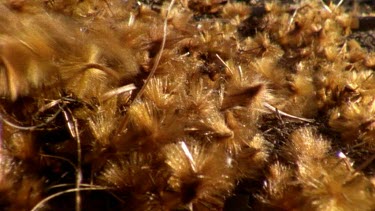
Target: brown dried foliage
x,y
160,106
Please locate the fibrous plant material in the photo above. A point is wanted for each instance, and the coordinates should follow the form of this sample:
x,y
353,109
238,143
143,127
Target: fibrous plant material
x,y
186,105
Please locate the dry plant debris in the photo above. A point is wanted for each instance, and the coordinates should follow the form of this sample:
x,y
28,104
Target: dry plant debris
x,y
186,105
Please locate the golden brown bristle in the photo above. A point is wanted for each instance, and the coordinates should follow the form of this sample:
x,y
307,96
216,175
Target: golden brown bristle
x,y
186,105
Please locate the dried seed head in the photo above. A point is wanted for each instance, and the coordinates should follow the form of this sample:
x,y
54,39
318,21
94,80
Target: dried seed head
x,y
198,174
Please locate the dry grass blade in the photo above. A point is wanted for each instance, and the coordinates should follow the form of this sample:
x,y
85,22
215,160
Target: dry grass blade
x,y
124,123
41,203
272,108
117,91
72,124
60,158
33,127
